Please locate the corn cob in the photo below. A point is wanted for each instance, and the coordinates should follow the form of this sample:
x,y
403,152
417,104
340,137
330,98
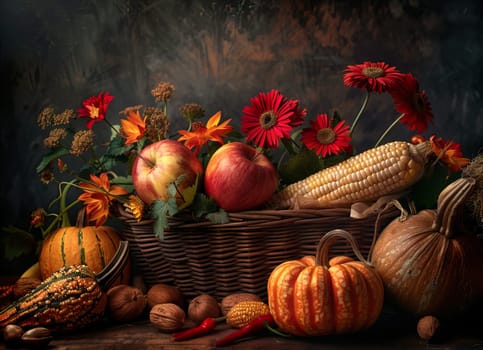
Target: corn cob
x,y
388,169
245,311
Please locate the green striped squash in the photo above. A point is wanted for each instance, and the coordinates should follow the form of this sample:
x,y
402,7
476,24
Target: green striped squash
x,y
90,245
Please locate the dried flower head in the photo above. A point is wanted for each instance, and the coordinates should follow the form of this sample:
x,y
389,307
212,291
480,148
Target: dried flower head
x,y
192,111
81,142
163,92
63,118
55,137
475,203
47,175
126,111
157,124
45,117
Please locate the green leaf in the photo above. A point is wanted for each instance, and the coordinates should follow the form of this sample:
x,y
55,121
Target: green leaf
x,y
51,156
219,217
161,209
124,181
16,242
117,147
202,205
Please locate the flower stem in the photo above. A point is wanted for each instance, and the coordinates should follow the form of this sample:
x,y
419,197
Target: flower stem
x,y
111,126
363,107
389,129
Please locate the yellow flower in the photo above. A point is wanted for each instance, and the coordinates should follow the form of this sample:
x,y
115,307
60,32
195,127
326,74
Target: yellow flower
x,y
201,134
97,197
133,128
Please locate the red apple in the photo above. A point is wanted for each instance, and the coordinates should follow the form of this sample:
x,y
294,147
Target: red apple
x,y
238,177
160,164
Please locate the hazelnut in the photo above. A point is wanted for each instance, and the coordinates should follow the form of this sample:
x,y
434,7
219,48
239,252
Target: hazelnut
x,y
428,328
12,334
203,306
164,293
125,303
167,317
24,285
230,300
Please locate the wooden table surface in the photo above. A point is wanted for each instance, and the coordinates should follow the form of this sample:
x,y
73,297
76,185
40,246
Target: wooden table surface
x,y
392,331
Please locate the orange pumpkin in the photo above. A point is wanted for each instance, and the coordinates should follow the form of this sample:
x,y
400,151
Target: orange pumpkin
x,y
90,245
314,296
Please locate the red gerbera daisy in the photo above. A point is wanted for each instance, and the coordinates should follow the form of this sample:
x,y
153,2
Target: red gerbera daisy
x,y
95,108
298,115
268,119
372,76
325,139
414,103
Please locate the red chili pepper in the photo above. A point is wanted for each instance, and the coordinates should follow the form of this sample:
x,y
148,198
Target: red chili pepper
x,y
256,325
205,327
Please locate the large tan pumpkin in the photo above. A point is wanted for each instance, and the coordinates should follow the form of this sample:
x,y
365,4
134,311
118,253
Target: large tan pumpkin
x,y
90,245
313,296
429,263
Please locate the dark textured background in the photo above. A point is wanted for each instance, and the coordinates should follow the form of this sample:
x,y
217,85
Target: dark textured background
x,y
220,54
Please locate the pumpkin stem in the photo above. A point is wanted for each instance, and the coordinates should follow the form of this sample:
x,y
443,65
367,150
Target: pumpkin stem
x,y
450,201
322,256
377,225
62,205
81,217
106,277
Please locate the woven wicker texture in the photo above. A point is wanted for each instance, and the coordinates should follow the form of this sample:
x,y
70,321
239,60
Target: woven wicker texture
x,y
219,259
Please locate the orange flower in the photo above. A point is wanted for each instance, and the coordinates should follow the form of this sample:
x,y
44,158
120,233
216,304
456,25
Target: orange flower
x,y
133,128
449,152
201,134
97,197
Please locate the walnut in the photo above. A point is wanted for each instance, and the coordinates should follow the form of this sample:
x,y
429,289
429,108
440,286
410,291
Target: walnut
x,y
428,328
167,317
125,303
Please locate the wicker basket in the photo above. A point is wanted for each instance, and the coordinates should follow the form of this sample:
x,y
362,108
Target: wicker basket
x,y
219,259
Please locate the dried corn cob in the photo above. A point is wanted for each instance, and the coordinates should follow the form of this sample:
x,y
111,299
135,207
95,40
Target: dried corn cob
x,y
384,170
245,311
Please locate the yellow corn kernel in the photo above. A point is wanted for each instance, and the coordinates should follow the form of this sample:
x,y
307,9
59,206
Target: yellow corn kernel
x,y
244,312
388,169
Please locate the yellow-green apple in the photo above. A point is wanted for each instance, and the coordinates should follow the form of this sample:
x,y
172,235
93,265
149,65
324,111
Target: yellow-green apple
x,y
238,177
162,163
